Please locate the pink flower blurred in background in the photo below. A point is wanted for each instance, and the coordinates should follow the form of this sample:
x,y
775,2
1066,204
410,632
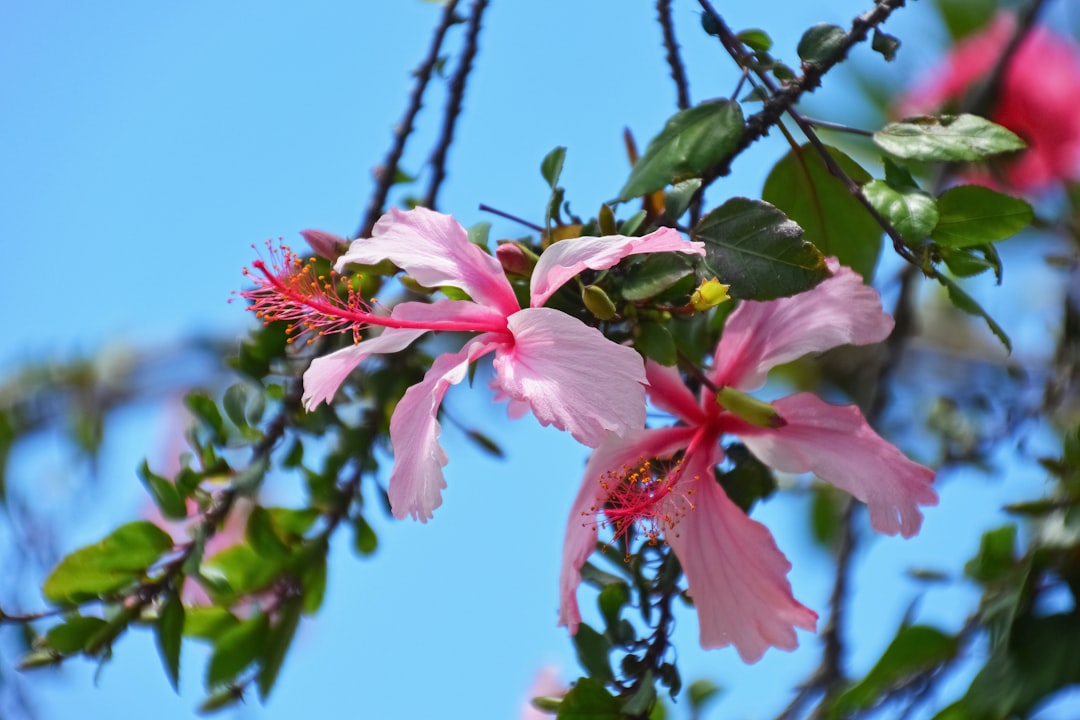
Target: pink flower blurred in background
x,y
1037,99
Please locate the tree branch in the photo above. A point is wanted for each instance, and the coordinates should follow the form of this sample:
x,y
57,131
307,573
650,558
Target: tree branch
x,y
674,59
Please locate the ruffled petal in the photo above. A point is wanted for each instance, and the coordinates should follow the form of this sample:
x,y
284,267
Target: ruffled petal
x,y
567,258
839,446
571,375
734,571
435,250
761,335
581,533
416,482
668,392
325,374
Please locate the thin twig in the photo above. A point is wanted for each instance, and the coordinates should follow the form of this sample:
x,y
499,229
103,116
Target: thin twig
x,y
454,102
389,167
674,58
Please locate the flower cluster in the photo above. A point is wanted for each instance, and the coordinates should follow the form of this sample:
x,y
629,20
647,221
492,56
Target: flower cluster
x,y
655,482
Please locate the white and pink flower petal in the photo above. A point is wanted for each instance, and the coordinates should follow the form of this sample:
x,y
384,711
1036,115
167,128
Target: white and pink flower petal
x,y
839,446
668,392
325,374
736,574
761,335
567,258
416,482
435,250
571,375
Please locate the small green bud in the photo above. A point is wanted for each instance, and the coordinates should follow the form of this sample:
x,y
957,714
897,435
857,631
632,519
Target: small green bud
x,y
606,220
598,302
756,412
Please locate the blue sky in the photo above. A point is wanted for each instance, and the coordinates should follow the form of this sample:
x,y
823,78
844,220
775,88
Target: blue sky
x,y
148,145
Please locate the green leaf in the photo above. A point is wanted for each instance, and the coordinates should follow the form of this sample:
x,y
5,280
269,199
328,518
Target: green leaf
x,y
964,17
237,648
821,43
277,644
589,700
167,496
967,303
749,480
108,565
73,635
915,649
692,142
235,404
313,580
202,406
613,597
239,570
995,558
976,215
756,40
208,621
701,692
655,274
642,701
593,651
911,211
753,247
969,261
653,340
260,534
169,630
677,198
885,44
835,222
947,138
365,541
552,165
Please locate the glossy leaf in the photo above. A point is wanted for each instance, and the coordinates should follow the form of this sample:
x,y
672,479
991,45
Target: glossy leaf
x,y
277,644
202,406
589,700
755,39
654,340
975,215
692,142
885,44
655,274
915,649
835,222
107,565
821,43
593,651
166,495
967,303
169,631
749,480
552,165
946,138
753,247
911,211
73,635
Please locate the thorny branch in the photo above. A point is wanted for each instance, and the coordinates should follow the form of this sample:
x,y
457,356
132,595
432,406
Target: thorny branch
x,y
674,59
454,102
388,169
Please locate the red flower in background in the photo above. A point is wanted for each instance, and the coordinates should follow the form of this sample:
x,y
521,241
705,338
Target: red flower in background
x,y
1037,99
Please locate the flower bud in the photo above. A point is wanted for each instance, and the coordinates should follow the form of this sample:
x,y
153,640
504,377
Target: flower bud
x,y
709,294
324,244
515,259
598,302
756,412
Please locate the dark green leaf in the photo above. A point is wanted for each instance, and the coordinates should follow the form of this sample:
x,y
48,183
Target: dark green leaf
x,y
551,167
202,406
596,577
825,515
691,143
290,523
611,600
589,700
835,222
911,211
237,648
821,43
313,580
107,565
655,274
239,570
593,651
947,138
916,648
964,17
677,198
235,404
976,215
72,635
995,558
653,340
753,247
700,692
885,44
966,262
642,701
169,630
485,443
220,700
749,480
967,303
260,534
277,644
166,495
632,224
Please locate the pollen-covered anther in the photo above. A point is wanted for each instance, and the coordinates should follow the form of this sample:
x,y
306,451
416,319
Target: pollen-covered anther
x,y
650,498
292,290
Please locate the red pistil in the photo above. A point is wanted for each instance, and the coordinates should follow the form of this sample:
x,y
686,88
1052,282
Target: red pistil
x,y
639,497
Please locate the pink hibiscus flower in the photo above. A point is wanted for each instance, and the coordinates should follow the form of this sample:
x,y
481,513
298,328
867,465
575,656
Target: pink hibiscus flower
x,y
734,570
1037,98
566,372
